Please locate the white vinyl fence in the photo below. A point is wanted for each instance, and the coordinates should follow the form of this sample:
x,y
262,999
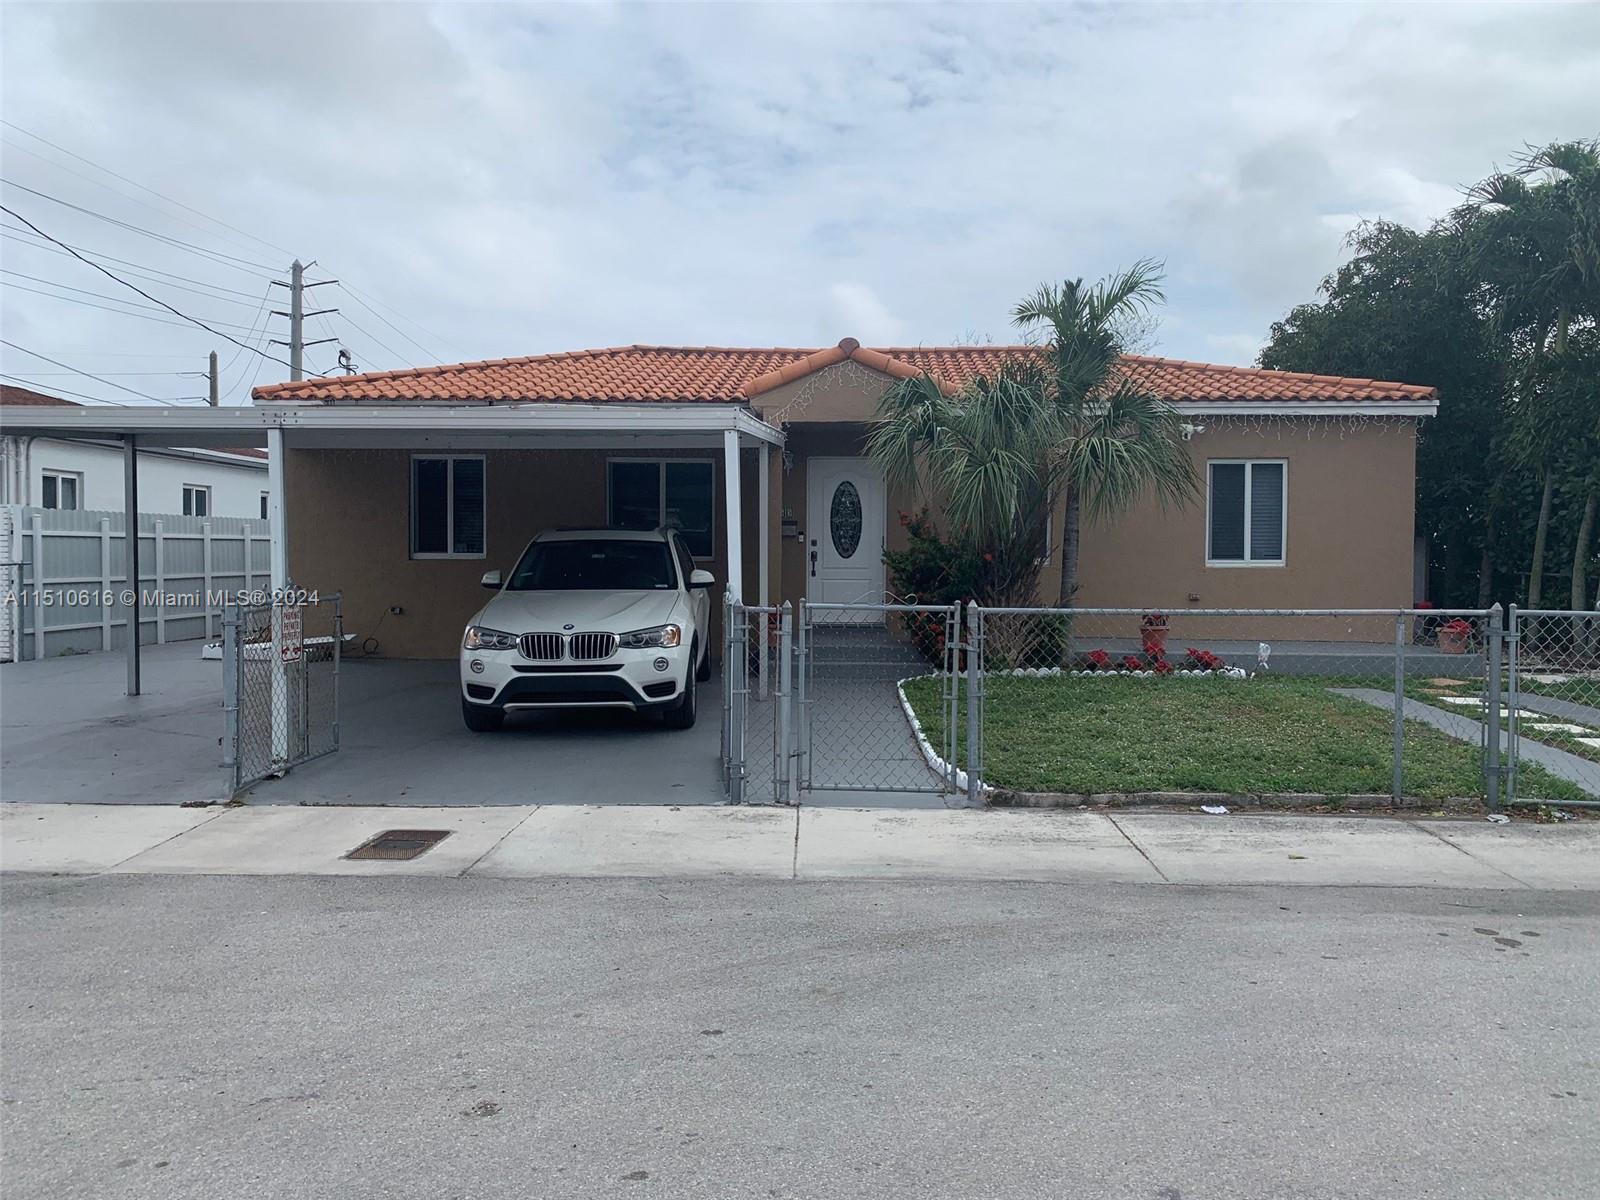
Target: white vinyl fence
x,y
65,578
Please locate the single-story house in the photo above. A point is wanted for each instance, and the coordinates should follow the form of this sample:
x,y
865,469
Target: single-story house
x,y
399,489
1308,481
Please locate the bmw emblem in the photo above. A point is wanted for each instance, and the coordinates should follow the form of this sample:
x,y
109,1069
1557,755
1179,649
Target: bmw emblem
x,y
568,627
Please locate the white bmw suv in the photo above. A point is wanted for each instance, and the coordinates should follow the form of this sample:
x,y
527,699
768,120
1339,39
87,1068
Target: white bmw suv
x,y
590,618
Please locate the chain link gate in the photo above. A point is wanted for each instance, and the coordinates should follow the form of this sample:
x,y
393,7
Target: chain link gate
x,y
758,726
814,700
857,730
280,685
1552,700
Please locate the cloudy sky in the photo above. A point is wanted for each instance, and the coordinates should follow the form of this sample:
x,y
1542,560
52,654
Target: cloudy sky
x,y
490,180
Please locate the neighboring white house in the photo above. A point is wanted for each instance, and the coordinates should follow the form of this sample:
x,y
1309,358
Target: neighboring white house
x,y
65,477
45,473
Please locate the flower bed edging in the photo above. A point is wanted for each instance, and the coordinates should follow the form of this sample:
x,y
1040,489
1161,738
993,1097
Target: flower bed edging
x,y
935,762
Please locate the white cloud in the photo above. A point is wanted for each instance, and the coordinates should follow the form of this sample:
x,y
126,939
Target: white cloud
x,y
519,179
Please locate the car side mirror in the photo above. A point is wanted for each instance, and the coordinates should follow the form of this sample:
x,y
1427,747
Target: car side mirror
x,y
491,579
702,579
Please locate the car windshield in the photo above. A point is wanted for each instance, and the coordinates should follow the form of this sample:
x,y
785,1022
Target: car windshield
x,y
600,565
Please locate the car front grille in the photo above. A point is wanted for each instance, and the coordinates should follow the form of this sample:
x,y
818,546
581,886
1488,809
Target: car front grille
x,y
546,647
591,647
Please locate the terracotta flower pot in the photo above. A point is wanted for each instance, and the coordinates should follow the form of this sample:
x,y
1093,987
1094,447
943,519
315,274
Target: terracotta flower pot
x,y
1453,641
1154,638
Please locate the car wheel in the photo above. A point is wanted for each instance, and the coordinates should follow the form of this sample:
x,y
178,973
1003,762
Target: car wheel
x,y
680,714
482,718
702,671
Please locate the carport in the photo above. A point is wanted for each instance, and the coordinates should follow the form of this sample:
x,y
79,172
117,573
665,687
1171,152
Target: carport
x,y
393,749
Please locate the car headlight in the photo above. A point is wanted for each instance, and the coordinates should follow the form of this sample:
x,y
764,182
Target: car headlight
x,y
479,638
648,639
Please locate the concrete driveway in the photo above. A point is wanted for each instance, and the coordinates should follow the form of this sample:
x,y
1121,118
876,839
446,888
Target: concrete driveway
x,y
68,734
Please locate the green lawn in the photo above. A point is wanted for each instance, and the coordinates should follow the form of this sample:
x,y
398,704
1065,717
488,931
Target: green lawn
x,y
1284,734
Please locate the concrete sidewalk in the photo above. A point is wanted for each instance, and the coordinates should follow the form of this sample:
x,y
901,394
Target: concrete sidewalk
x,y
807,844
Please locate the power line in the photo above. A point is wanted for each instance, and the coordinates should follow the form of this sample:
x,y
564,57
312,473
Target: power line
x,y
56,390
141,291
143,188
46,374
227,260
93,182
142,311
245,303
98,295
98,379
21,235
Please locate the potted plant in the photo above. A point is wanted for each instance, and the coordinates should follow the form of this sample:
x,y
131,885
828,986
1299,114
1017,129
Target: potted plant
x,y
1454,636
1153,633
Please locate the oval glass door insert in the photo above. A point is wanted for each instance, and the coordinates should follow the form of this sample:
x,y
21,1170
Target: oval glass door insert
x,y
844,519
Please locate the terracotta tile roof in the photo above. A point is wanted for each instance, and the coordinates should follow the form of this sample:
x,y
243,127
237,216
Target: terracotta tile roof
x,y
718,374
11,394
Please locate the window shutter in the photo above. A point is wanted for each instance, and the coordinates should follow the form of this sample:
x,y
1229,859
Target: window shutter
x,y
467,482
430,533
1227,512
1266,512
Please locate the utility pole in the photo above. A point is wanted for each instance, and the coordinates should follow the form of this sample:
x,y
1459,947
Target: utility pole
x,y
297,315
211,373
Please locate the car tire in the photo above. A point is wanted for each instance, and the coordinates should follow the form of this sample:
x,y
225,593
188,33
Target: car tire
x,y
681,712
482,718
702,671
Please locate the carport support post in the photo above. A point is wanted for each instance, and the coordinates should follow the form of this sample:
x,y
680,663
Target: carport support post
x,y
279,550
734,510
130,553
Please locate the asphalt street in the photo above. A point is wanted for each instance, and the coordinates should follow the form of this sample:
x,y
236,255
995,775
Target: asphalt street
x,y
201,1036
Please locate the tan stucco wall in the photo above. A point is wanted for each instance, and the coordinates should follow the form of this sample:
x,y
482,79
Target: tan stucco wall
x,y
1351,497
348,514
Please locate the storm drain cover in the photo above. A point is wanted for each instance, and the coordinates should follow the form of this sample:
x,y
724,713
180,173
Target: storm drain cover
x,y
398,845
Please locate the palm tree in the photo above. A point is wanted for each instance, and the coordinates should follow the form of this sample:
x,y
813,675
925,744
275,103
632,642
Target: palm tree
x,y
1003,451
1537,245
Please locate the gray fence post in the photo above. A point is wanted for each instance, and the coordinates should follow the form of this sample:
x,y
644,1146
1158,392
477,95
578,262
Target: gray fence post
x,y
739,684
974,702
338,649
230,693
1491,722
784,783
1513,746
802,710
1399,705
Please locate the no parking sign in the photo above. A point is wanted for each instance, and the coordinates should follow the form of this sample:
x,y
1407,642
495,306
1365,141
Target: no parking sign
x,y
291,639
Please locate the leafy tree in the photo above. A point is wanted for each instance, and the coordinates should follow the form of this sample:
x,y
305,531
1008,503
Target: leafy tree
x,y
1063,424
1404,308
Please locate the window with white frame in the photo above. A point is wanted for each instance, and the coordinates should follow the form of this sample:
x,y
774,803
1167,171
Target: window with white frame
x,y
61,489
1247,512
265,497
196,500
679,493
447,505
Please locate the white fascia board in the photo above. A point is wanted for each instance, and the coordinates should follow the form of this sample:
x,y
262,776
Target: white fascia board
x,y
247,426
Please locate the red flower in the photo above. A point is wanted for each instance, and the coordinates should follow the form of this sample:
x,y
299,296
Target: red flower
x,y
1162,667
1131,663
1099,660
987,557
905,518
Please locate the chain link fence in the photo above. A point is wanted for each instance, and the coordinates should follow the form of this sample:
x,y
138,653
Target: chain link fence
x,y
1552,708
280,685
1421,707
1334,703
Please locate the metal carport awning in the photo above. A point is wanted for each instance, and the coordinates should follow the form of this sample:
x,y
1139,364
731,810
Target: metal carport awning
x,y
510,426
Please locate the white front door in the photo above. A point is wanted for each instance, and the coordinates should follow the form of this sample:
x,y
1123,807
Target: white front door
x,y
845,500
